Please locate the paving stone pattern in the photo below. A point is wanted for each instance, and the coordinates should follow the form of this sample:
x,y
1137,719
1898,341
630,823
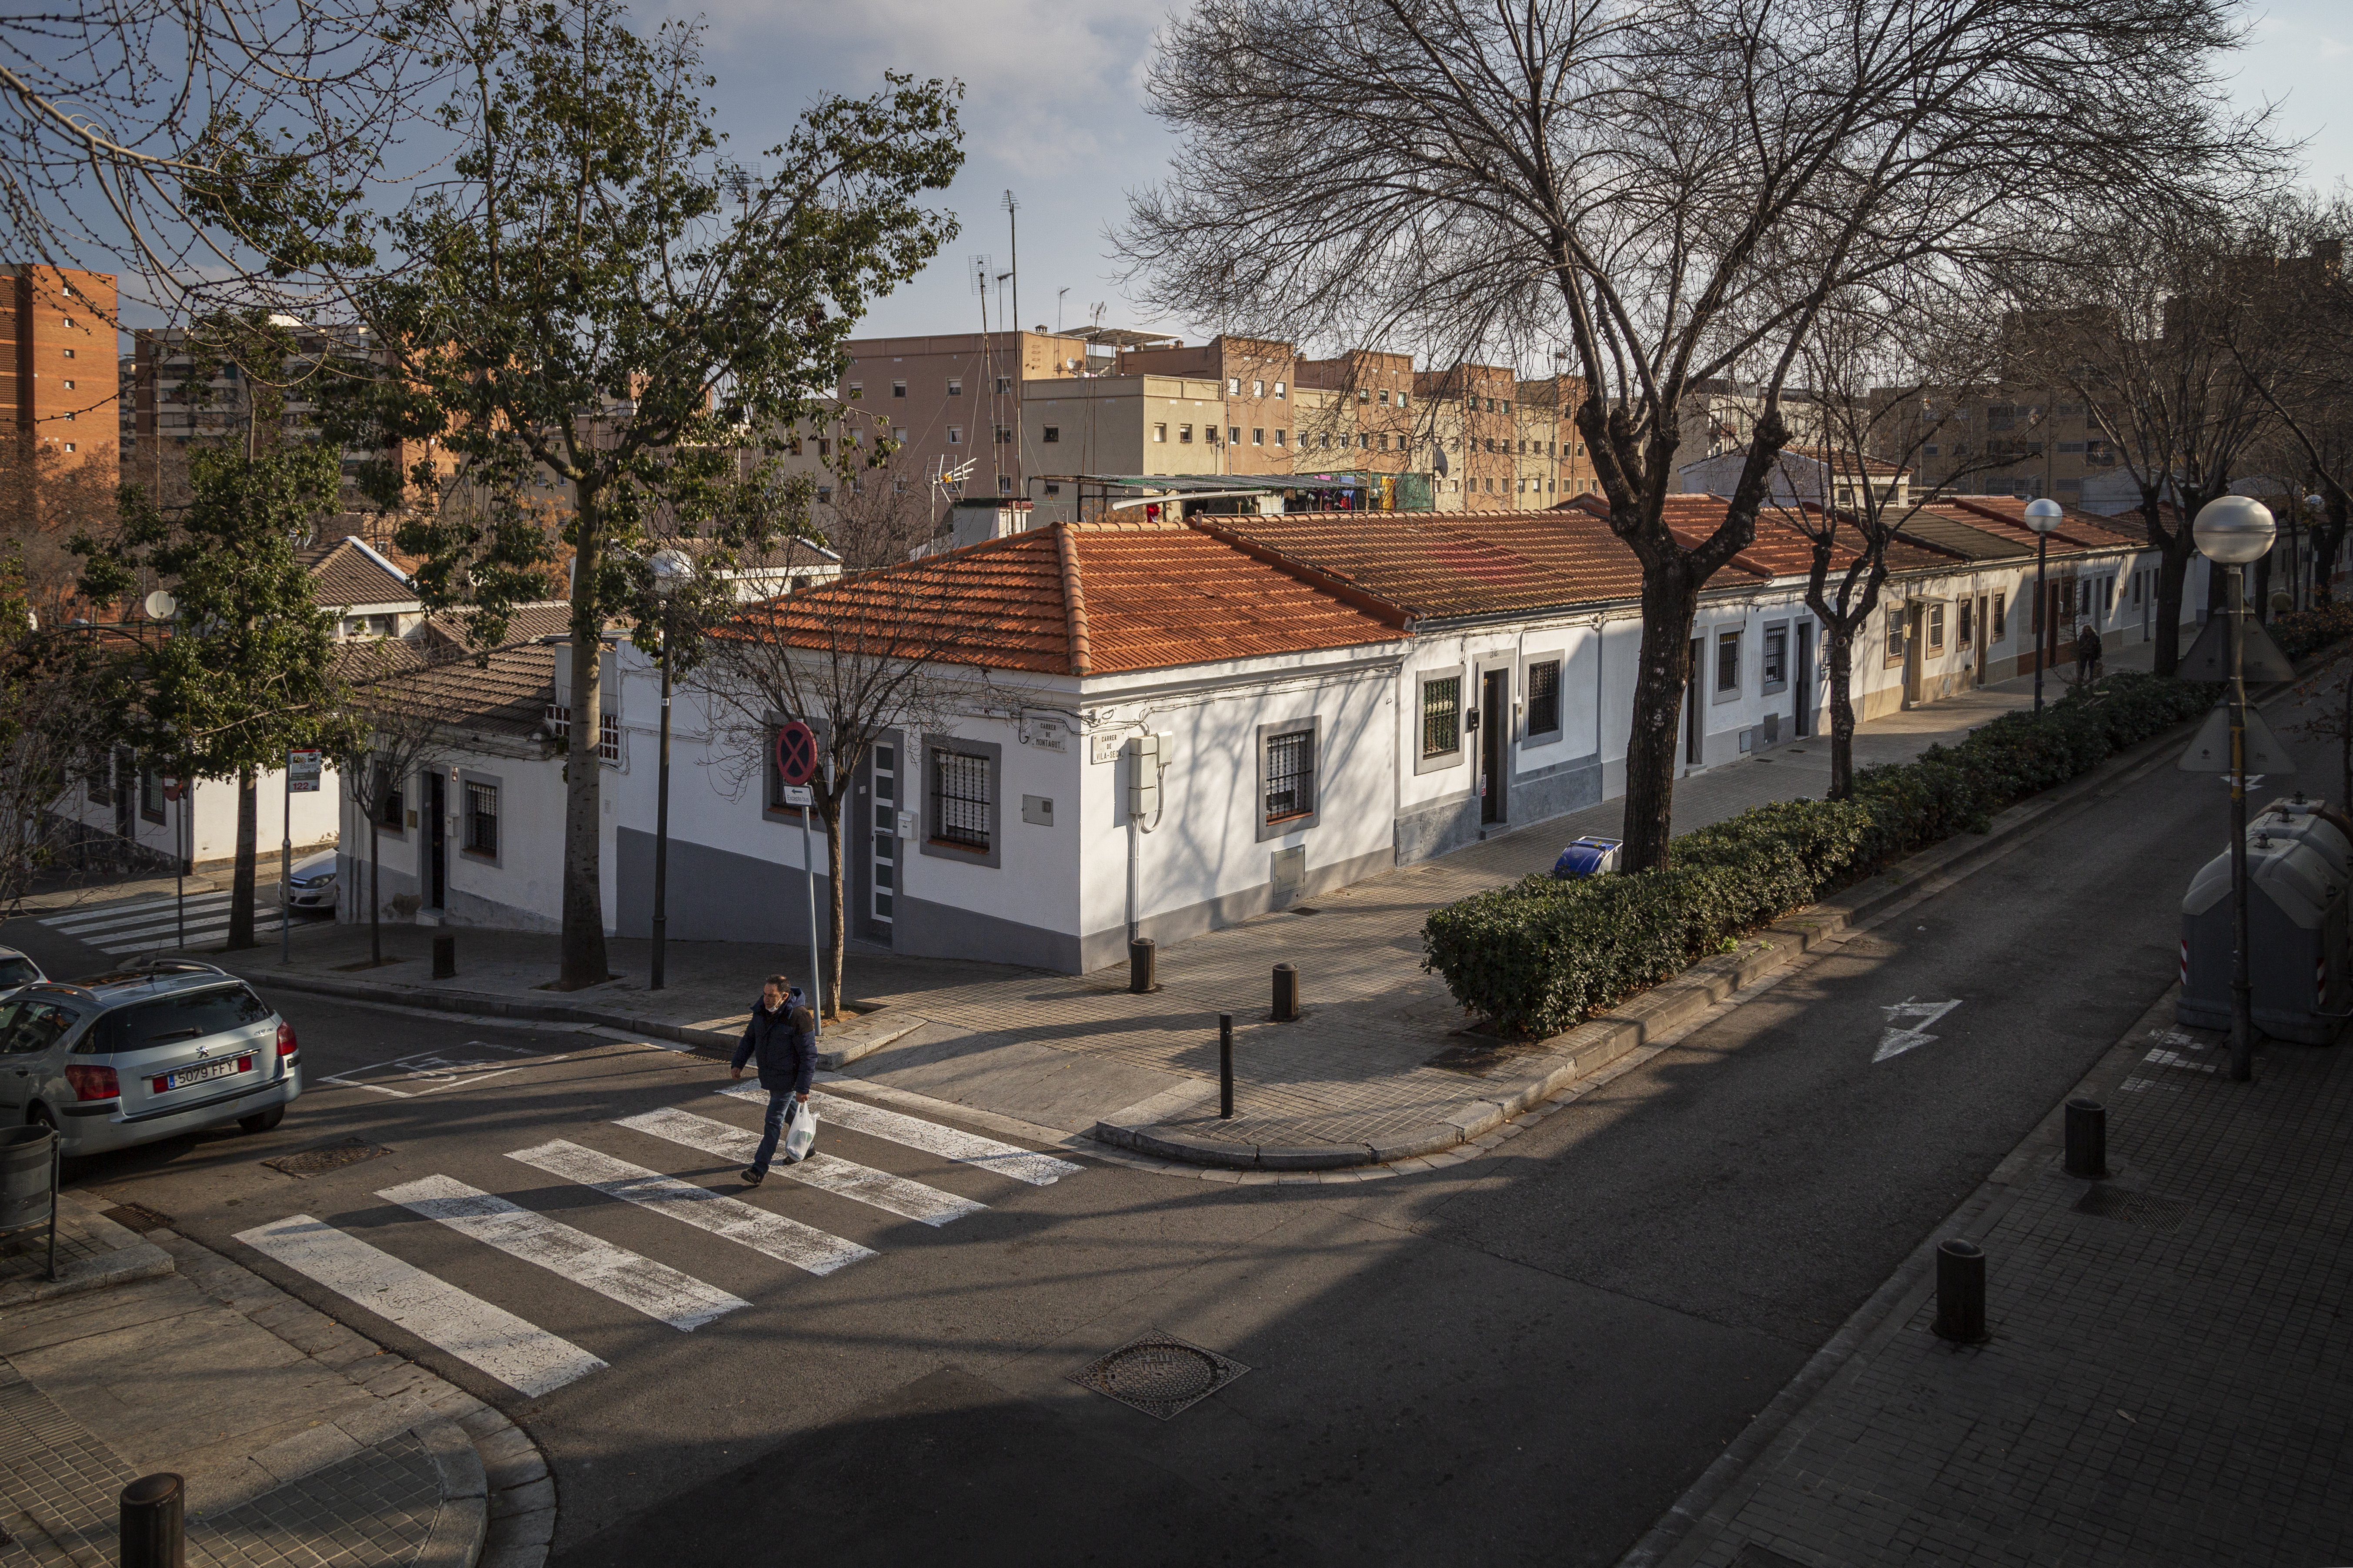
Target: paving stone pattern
x,y
2169,1388
63,1483
1355,1068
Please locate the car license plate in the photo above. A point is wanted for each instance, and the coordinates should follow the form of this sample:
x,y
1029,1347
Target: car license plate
x,y
204,1074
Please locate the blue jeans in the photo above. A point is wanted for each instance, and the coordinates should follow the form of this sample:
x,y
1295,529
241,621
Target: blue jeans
x,y
781,1106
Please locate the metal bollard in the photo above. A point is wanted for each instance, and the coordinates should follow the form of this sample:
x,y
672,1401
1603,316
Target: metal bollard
x,y
1286,992
1226,1066
151,1523
2087,1139
445,957
1143,955
1960,1292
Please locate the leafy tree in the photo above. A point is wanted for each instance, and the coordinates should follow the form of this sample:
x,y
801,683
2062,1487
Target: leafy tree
x,y
51,713
245,674
595,333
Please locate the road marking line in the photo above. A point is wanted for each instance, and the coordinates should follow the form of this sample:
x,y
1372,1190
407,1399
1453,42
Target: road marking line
x,y
1894,1042
170,931
130,914
488,1339
656,1290
785,1240
931,1137
844,1178
439,1072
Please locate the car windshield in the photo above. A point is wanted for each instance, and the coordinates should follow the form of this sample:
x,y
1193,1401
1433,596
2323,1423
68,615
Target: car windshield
x,y
17,969
168,1020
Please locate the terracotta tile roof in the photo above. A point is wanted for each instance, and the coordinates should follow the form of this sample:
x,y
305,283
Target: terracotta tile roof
x,y
503,693
1083,598
1933,526
344,573
525,623
1452,563
2077,529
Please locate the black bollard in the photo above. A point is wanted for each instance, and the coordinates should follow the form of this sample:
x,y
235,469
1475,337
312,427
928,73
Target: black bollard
x,y
1143,953
1286,992
1226,1066
1960,1292
445,957
2087,1139
151,1521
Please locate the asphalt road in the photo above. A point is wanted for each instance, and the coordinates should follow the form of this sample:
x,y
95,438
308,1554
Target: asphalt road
x,y
1524,1358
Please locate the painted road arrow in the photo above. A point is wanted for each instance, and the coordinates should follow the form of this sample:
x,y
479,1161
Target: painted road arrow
x,y
1895,1038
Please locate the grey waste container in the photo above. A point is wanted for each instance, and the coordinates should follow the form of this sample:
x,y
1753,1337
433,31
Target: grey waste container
x,y
2309,822
25,1155
2295,943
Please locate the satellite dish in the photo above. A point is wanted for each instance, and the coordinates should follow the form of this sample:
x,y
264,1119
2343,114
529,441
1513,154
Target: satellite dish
x,y
162,606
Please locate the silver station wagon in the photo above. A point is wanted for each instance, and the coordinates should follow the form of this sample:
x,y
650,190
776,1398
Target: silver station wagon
x,y
150,1052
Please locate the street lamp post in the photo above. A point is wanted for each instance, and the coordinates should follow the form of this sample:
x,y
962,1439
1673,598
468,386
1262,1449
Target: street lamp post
x,y
2042,516
2313,507
671,571
2232,531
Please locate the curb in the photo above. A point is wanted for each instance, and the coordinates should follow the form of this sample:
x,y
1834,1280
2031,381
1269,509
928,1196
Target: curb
x,y
1597,1043
133,1258
493,1006
463,1522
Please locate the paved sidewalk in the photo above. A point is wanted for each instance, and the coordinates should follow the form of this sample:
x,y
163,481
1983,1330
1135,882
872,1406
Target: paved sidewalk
x,y
2166,1380
1380,1067
299,1442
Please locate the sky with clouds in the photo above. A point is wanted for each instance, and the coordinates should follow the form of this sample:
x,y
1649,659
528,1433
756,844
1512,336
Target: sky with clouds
x,y
1055,111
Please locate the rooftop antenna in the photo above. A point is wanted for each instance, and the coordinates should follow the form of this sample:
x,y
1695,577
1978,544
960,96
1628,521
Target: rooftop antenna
x,y
1058,309
1013,243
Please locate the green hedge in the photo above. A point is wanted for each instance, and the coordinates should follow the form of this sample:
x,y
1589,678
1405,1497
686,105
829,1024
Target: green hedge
x,y
1540,956
2308,631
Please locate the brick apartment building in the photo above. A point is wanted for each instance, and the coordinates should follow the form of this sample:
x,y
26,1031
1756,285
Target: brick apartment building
x,y
58,342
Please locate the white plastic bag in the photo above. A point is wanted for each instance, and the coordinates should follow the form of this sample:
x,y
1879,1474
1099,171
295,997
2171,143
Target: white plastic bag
x,y
802,1134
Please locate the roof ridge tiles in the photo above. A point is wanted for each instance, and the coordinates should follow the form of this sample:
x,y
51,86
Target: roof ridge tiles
x,y
1075,599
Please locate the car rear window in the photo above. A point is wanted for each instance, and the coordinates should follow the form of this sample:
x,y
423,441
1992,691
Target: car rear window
x,y
169,1019
17,971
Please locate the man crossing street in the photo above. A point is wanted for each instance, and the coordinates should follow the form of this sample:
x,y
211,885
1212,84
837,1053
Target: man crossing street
x,y
781,1037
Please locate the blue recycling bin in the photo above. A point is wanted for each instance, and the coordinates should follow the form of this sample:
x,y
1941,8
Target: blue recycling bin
x,y
1587,858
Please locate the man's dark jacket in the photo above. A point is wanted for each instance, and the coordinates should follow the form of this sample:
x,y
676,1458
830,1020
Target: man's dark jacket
x,y
787,1055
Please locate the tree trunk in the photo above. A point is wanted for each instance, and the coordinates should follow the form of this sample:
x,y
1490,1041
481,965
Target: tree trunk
x,y
375,892
832,816
2172,576
1837,663
2329,538
583,956
1661,679
2264,588
240,887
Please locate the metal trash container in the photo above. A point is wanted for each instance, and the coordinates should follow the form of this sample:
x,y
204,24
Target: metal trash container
x,y
2310,822
26,1153
1587,858
2295,943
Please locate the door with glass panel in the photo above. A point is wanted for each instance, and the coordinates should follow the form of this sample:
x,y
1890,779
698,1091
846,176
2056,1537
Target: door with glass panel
x,y
884,881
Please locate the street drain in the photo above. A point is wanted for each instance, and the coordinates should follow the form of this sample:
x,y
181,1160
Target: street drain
x,y
1159,1376
319,1162
138,1217
2146,1210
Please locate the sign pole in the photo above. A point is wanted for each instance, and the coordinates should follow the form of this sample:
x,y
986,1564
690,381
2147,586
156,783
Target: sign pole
x,y
796,771
180,873
285,871
808,882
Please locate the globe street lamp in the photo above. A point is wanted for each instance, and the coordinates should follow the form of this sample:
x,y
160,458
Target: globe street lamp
x,y
2042,516
2232,531
671,571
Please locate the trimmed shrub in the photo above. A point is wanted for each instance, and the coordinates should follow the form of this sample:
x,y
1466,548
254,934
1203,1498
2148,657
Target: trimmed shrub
x,y
2308,631
1539,957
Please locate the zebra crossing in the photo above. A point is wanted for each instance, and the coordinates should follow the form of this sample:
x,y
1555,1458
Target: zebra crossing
x,y
150,923
534,1361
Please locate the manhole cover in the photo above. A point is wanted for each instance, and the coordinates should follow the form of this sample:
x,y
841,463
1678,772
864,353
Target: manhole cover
x,y
138,1217
319,1162
1159,1376
2146,1210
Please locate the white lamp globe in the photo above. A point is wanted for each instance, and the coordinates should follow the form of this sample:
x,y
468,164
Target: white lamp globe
x,y
671,570
2314,503
2042,516
2234,529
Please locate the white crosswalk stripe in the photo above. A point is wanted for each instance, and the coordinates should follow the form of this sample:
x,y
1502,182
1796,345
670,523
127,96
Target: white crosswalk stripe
x,y
143,911
142,925
931,1137
490,1339
843,1178
785,1240
654,1288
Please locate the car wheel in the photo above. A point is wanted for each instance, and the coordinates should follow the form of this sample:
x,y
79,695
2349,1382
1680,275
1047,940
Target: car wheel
x,y
41,1117
262,1121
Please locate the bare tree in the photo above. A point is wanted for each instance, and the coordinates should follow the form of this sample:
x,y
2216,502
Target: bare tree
x,y
395,735
2153,323
1886,375
855,660
1672,188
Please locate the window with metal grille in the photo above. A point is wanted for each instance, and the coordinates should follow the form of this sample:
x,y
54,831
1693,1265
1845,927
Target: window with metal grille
x,y
390,805
1290,776
1776,669
608,730
483,819
960,799
1442,715
151,795
1727,661
1544,697
2001,614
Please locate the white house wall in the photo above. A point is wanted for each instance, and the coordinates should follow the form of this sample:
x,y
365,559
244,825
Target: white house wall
x,y
209,833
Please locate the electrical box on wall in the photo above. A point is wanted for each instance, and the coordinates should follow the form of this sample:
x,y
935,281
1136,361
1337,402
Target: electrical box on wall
x,y
1144,757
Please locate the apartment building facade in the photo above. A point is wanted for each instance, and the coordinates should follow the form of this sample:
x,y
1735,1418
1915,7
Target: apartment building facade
x,y
58,385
